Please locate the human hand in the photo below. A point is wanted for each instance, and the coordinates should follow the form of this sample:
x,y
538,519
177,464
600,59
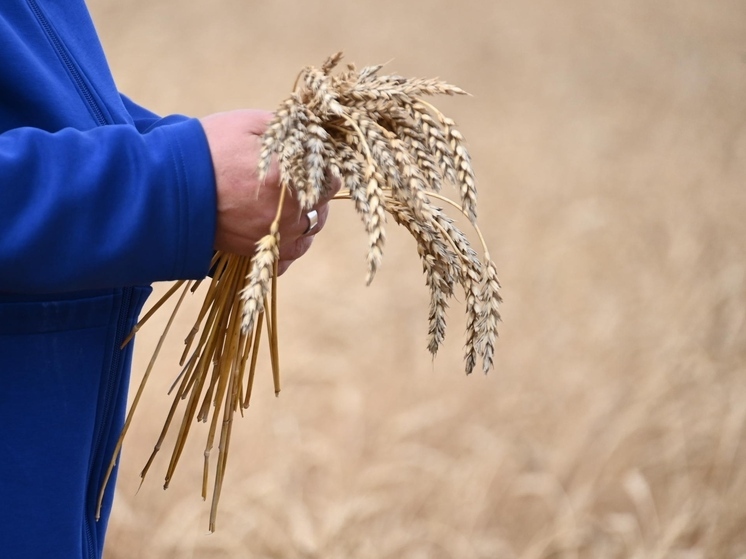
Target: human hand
x,y
247,206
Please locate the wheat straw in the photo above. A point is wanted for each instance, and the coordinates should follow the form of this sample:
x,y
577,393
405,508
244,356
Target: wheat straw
x,y
392,152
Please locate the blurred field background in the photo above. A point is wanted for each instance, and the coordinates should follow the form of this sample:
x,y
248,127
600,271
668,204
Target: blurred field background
x,y
609,141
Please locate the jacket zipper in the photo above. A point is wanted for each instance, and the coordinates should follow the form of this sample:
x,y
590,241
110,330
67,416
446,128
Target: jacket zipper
x,y
59,47
112,376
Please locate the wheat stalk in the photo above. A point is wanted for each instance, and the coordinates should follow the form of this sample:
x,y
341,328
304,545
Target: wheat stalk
x,y
392,151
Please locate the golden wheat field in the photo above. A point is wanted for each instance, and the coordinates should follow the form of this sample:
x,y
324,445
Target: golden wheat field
x,y
609,144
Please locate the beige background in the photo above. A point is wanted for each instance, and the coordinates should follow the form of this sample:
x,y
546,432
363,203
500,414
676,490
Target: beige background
x,y
609,141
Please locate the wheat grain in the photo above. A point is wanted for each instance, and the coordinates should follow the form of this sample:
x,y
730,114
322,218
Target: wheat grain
x,y
437,279
464,173
490,316
254,294
286,119
376,224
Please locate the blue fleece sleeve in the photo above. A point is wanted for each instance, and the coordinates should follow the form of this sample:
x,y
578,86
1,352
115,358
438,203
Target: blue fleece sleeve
x,y
105,207
144,119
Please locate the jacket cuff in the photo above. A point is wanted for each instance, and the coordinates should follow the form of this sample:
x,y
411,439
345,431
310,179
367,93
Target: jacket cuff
x,y
197,203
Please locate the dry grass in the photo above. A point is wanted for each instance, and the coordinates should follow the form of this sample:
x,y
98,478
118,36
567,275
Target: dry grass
x,y
609,141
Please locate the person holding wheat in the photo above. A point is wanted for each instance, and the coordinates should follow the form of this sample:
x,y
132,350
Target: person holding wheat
x,y
99,198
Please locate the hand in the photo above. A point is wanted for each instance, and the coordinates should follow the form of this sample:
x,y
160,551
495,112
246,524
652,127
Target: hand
x,y
247,206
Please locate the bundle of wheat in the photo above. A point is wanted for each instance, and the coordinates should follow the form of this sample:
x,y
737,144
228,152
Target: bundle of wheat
x,y
392,151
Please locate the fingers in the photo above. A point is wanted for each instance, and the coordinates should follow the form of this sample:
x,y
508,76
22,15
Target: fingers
x,y
335,186
301,225
296,241
283,265
294,211
323,214
298,237
290,252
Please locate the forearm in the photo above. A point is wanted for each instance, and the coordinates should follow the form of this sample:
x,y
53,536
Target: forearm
x,y
104,208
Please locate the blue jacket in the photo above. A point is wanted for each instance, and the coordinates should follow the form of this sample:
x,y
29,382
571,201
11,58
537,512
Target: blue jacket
x,y
98,198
